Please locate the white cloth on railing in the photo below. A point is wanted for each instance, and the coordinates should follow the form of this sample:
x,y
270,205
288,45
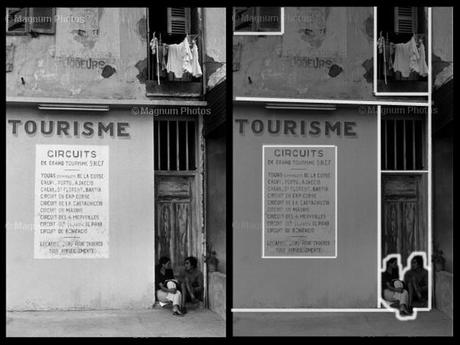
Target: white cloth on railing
x,y
196,68
421,62
406,55
179,58
409,58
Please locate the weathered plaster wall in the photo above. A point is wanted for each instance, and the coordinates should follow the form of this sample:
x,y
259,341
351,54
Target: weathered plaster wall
x,y
125,279
217,293
324,53
216,198
90,58
443,48
215,42
103,56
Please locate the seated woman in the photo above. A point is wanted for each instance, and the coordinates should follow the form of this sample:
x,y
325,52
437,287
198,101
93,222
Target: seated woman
x,y
193,286
416,280
166,287
391,293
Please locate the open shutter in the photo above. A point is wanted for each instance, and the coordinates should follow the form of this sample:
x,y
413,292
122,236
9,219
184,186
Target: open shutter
x,y
243,19
45,23
405,19
179,20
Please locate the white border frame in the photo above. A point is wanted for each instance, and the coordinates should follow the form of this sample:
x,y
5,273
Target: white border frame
x,y
263,204
263,33
327,101
376,92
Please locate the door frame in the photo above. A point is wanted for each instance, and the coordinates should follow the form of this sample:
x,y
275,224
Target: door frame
x,y
429,205
199,188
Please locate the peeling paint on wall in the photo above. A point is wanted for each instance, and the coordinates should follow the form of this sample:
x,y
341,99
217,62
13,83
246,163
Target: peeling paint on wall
x,y
9,57
142,68
333,58
102,56
142,28
96,62
369,67
369,27
108,71
335,70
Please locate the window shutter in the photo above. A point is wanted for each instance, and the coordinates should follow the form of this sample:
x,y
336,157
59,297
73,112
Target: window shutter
x,y
16,20
178,20
44,20
242,19
405,19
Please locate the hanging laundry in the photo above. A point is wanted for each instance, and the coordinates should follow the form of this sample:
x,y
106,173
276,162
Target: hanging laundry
x,y
380,43
153,44
406,56
164,53
179,58
421,62
415,56
187,55
196,68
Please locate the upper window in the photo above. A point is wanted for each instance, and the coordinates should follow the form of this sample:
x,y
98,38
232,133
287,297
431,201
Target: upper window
x,y
258,20
24,20
175,56
401,51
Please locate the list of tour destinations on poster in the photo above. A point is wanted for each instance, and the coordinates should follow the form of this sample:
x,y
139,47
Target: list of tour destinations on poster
x,y
71,201
299,201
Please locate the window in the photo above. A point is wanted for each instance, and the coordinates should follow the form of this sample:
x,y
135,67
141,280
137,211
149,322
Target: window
x,y
24,20
403,138
400,30
258,20
166,27
175,145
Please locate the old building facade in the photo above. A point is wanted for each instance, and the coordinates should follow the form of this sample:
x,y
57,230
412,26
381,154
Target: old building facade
x,y
87,80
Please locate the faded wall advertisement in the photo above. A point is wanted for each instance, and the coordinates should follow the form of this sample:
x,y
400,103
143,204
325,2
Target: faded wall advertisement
x,y
299,201
71,201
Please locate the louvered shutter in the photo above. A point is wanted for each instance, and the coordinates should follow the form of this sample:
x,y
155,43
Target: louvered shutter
x,y
405,19
178,20
16,20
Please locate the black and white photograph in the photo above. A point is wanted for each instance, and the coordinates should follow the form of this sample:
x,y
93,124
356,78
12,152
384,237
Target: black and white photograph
x,y
115,172
342,138
151,193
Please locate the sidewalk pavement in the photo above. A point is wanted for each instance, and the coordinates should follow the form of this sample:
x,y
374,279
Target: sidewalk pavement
x,y
433,323
155,322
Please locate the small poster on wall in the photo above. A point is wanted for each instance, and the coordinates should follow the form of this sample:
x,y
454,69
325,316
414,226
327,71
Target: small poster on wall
x,y
299,201
71,201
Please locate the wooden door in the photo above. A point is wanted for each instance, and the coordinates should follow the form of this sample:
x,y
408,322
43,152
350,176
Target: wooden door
x,y
404,215
176,233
